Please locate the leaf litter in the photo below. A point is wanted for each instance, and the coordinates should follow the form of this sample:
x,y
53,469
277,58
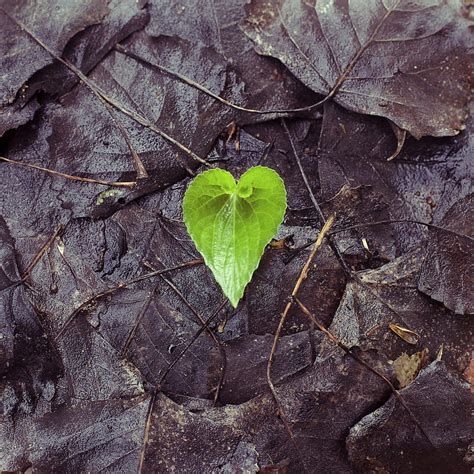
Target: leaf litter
x,y
116,352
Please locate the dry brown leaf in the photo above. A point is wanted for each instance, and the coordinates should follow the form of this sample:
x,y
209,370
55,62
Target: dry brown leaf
x,y
407,367
406,334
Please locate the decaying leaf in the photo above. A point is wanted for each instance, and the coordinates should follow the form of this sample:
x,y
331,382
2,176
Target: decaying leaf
x,y
407,366
389,295
82,31
269,84
105,435
427,178
366,56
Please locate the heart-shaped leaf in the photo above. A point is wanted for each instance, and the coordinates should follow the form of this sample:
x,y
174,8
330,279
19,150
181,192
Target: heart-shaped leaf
x,y
231,223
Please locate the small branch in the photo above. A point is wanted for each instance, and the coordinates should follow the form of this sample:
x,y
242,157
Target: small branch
x,y
361,361
41,252
123,184
319,211
146,433
110,100
137,162
376,223
136,324
120,286
302,276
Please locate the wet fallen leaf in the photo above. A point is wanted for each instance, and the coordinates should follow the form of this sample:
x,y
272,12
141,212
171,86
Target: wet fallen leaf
x,y
365,58
66,28
388,294
436,392
447,274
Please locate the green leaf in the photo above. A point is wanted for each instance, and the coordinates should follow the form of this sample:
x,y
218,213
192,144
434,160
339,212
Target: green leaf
x,y
232,223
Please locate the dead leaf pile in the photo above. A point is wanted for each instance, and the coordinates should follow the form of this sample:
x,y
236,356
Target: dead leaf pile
x,y
118,352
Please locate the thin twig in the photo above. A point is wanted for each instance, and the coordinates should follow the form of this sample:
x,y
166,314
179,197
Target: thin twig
x,y
41,252
98,91
123,184
120,286
302,276
190,82
137,162
193,340
208,330
361,361
146,431
319,211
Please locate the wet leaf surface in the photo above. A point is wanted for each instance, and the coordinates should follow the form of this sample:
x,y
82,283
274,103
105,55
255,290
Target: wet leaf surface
x,y
447,272
116,353
363,56
389,294
437,394
84,32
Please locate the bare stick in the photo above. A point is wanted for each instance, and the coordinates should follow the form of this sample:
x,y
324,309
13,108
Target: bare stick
x,y
98,91
295,251
302,276
401,221
137,322
41,252
123,184
146,433
121,285
319,211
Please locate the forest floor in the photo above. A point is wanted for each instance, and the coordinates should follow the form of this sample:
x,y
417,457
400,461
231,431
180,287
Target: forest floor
x,y
118,350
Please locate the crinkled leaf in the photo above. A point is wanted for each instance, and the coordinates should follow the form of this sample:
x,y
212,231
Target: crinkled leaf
x,y
232,223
